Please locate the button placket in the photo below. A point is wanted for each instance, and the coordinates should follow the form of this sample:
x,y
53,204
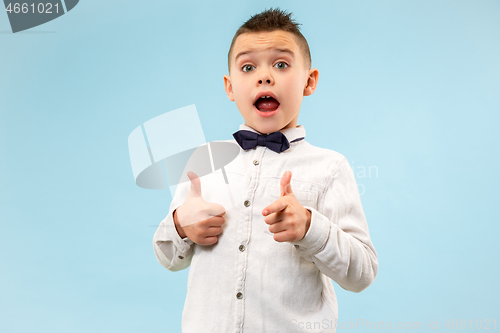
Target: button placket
x,y
245,230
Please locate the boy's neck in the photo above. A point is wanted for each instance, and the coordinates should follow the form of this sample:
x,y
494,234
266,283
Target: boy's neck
x,y
267,133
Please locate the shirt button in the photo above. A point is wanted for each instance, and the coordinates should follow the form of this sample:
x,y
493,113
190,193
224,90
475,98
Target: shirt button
x,y
239,295
255,162
180,257
246,203
242,248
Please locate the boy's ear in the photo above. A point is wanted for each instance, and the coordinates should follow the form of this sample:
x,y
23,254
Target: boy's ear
x,y
312,82
228,87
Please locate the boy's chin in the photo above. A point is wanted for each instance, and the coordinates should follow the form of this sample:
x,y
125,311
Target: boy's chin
x,y
266,128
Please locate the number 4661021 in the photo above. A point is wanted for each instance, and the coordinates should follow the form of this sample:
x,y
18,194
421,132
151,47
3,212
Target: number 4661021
x,y
479,324
25,8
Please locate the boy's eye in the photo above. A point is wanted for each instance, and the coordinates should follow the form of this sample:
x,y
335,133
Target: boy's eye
x,y
248,68
281,65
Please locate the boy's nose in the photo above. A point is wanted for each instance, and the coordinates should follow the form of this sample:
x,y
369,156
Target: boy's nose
x,y
265,78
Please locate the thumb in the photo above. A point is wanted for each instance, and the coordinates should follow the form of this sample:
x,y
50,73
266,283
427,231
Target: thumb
x,y
215,209
285,187
195,184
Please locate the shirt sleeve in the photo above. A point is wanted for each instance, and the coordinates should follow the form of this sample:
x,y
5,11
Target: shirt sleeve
x,y
173,252
338,241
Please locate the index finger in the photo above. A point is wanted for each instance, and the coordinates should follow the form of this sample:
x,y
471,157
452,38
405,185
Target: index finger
x,y
276,206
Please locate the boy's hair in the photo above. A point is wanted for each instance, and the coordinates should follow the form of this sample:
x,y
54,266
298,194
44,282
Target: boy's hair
x,y
272,20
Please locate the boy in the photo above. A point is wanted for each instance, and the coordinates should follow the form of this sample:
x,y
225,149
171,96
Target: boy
x,y
266,265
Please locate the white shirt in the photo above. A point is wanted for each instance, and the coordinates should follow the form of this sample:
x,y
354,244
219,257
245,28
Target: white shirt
x,y
248,282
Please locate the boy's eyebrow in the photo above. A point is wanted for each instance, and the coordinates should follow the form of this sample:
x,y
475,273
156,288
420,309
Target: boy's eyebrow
x,y
279,50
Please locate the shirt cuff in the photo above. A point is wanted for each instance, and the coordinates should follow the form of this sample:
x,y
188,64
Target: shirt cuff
x,y
169,233
317,235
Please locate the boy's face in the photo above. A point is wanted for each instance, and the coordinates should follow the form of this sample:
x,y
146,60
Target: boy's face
x,y
269,64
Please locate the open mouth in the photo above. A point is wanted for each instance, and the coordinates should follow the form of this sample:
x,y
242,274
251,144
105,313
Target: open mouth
x,y
266,104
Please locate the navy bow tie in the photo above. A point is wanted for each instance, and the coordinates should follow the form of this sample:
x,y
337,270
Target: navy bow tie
x,y
275,141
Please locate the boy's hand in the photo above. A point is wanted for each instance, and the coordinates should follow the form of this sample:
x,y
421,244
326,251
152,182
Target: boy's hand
x,y
288,219
197,219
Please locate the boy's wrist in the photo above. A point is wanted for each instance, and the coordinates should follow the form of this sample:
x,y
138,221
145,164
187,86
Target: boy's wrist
x,y
178,227
308,222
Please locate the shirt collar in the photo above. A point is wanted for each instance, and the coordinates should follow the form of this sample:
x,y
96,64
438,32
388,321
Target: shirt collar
x,y
290,133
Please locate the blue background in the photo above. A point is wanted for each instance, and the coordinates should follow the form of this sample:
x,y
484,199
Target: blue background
x,y
410,88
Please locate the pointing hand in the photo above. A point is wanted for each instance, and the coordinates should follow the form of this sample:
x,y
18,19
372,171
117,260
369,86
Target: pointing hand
x,y
197,219
288,220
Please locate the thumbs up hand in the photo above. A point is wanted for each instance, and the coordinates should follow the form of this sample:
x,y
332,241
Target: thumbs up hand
x,y
197,219
288,220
